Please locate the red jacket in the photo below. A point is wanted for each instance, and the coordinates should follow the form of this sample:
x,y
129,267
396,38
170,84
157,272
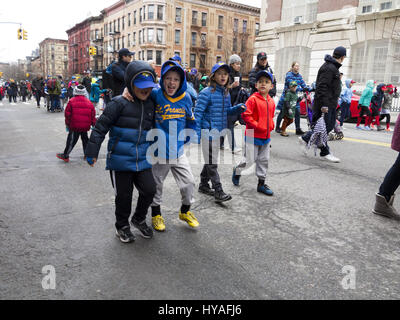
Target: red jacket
x,y
259,116
80,114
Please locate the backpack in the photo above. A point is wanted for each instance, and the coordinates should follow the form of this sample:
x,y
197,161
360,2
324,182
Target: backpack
x,y
51,84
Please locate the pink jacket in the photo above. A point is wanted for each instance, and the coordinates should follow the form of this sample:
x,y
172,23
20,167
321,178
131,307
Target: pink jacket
x,y
396,136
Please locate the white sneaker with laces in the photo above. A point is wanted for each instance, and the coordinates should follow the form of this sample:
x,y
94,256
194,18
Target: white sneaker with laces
x,y
330,158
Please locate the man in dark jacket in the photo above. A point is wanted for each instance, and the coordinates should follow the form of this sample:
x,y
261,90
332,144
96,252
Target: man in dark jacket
x,y
262,64
87,82
38,87
327,93
118,71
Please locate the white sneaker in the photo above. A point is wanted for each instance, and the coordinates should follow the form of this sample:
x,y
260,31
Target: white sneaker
x,y
303,145
331,158
237,151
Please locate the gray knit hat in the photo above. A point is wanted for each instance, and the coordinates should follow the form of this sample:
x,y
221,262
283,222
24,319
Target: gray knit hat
x,y
80,90
234,58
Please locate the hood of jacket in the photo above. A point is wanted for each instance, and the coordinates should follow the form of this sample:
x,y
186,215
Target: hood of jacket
x,y
329,58
379,88
133,70
370,84
348,82
174,66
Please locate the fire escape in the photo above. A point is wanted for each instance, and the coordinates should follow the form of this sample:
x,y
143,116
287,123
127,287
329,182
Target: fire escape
x,y
202,49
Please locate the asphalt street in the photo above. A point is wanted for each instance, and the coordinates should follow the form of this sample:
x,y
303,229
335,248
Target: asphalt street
x,y
295,245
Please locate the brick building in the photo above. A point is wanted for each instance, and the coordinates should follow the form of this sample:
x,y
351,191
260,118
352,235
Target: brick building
x,y
307,30
202,32
54,57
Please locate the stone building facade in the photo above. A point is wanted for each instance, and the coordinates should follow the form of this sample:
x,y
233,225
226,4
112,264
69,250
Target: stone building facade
x,y
202,32
307,30
54,57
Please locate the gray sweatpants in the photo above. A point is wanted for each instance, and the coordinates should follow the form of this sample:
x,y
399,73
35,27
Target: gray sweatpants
x,y
255,154
182,173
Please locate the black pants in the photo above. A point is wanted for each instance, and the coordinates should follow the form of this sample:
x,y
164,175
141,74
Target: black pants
x,y
330,121
392,180
210,169
123,183
383,116
38,95
72,139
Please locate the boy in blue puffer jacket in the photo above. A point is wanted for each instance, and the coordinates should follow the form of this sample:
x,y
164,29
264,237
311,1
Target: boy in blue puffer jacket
x,y
211,114
345,98
128,124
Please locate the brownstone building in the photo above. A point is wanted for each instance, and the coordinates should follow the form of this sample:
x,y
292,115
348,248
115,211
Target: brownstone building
x,y
54,57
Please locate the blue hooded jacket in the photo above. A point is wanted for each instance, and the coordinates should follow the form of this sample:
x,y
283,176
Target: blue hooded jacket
x,y
212,109
173,114
347,93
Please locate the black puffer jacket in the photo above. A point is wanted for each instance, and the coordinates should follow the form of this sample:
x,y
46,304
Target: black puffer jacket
x,y
128,124
253,75
328,85
118,72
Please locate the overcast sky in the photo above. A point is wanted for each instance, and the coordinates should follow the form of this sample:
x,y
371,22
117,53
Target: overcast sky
x,y
47,19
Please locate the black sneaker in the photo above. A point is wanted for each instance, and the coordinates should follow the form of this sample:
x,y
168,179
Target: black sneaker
x,y
125,235
206,190
221,196
299,132
143,228
278,130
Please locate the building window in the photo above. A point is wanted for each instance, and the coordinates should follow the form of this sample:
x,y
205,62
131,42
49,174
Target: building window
x,y
234,46
178,15
123,42
386,5
220,22
123,23
150,35
203,40
194,39
149,55
134,17
158,57
160,38
244,44
134,39
144,15
235,25
194,18
140,55
257,29
366,9
140,36
160,12
244,26
140,14
150,14
192,60
219,58
177,36
129,19
119,24
204,19
219,42
203,58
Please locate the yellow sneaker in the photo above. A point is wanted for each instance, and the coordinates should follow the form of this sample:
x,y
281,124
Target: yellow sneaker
x,y
158,223
190,219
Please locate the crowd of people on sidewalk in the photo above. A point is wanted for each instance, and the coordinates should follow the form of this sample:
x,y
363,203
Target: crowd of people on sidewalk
x,y
184,107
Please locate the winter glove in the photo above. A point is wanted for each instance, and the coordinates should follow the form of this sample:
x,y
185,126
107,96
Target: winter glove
x,y
90,161
67,129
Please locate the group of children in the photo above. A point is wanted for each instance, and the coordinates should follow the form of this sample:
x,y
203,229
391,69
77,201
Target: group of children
x,y
375,106
134,161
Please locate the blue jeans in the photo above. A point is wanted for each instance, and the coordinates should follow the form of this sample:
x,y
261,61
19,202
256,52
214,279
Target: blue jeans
x,y
344,112
391,181
330,120
55,102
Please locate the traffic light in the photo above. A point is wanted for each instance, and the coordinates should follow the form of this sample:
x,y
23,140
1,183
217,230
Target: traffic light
x,y
19,34
1,74
25,34
94,51
90,51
